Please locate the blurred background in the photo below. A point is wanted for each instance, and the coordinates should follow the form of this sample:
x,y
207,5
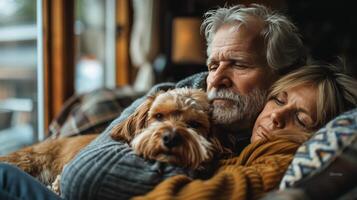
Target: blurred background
x,y
51,50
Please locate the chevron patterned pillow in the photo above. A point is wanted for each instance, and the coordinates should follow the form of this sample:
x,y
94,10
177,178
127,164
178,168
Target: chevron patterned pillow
x,y
322,148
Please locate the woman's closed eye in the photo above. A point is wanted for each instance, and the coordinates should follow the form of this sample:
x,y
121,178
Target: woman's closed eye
x,y
278,101
303,120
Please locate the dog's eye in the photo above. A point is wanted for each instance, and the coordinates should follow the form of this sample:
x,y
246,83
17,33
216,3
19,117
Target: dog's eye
x,y
193,124
158,116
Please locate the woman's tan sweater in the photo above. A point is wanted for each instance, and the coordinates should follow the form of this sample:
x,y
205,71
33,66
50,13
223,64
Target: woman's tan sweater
x,y
257,170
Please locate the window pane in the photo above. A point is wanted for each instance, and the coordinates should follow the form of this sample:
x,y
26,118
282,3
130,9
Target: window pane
x,y
95,42
18,58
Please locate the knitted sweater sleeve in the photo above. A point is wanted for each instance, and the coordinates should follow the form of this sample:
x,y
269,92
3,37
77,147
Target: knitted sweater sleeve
x,y
256,171
108,169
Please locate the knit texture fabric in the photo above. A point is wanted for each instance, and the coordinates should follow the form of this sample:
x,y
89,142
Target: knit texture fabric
x,y
108,169
257,170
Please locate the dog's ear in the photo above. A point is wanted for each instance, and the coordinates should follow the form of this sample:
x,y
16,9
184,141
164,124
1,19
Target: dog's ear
x,y
127,129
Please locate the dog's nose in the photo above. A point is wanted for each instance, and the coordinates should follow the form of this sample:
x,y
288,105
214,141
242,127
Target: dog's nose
x,y
171,139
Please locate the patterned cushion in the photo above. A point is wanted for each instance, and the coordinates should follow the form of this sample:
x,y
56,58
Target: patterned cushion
x,y
322,148
91,112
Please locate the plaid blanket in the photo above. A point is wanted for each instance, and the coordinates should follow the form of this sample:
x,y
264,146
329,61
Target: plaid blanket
x,y
91,112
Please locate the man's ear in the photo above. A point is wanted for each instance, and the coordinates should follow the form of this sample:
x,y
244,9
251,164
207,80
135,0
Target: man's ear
x,y
128,129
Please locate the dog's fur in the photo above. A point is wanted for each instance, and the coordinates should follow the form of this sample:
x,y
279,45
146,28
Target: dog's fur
x,y
45,160
172,126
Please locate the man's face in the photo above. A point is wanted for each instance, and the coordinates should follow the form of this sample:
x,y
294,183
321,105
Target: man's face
x,y
238,75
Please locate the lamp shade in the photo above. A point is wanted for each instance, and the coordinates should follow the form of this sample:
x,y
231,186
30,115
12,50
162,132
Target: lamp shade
x,y
187,42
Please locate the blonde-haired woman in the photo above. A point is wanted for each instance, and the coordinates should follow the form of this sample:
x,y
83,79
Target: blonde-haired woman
x,y
298,105
336,91
323,89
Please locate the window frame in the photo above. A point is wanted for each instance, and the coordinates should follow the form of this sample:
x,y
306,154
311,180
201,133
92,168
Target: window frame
x,y
58,19
58,59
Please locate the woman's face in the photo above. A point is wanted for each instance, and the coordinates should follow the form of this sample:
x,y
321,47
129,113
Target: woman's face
x,y
292,109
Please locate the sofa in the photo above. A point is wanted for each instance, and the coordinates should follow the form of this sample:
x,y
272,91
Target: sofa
x,y
324,167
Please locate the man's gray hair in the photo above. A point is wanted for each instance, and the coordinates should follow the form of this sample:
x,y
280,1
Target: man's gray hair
x,y
284,48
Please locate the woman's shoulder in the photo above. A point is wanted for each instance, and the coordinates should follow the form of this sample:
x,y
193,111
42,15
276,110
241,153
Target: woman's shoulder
x,y
265,149
273,146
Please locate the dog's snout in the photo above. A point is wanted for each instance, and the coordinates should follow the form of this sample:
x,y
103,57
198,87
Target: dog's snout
x,y
171,139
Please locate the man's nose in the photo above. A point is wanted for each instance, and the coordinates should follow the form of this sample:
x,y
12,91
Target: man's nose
x,y
221,78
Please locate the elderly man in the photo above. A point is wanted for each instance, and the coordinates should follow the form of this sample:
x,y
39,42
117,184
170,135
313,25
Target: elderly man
x,y
248,49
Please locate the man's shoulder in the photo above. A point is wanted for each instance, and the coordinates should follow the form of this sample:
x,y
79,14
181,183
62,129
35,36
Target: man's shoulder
x,y
197,81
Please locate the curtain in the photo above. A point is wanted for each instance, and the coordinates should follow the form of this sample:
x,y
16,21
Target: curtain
x,y
144,41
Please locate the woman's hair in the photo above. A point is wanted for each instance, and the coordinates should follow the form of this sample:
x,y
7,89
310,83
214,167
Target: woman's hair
x,y
283,45
336,91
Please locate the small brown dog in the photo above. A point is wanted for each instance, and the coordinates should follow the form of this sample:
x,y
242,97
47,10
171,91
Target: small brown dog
x,y
172,126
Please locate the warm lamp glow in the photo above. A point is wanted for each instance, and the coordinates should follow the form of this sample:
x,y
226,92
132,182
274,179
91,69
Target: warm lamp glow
x,y
187,42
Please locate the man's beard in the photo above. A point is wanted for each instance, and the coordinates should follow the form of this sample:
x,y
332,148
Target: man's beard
x,y
241,109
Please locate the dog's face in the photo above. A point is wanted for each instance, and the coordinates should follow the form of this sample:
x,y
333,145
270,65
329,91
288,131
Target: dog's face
x,y
176,128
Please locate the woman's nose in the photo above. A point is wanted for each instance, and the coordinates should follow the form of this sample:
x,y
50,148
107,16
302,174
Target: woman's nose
x,y
279,117
221,78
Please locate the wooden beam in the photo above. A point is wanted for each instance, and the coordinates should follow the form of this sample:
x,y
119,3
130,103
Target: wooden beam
x,y
58,54
122,42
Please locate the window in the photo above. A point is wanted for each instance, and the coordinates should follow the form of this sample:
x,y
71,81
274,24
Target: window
x,y
18,74
43,43
95,44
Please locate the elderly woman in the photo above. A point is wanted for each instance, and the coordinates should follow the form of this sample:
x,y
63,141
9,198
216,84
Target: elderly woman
x,y
298,105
